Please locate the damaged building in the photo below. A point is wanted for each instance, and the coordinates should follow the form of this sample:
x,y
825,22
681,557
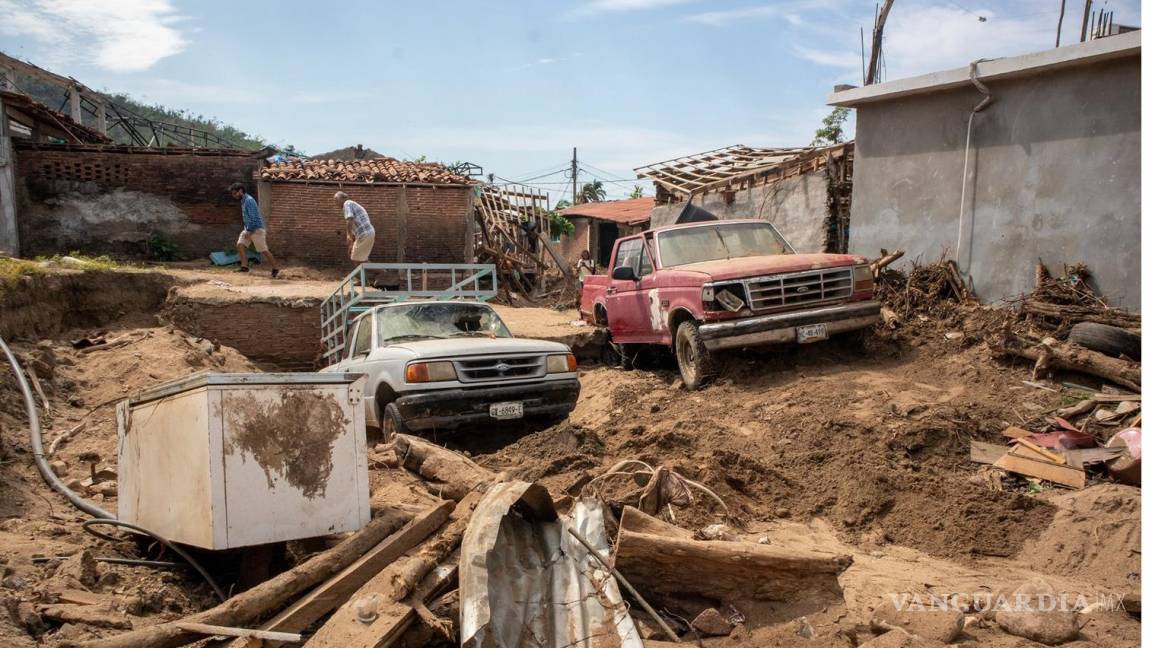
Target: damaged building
x,y
597,225
806,193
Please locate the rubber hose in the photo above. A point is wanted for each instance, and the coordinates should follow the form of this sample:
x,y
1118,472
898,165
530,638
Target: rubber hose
x,y
38,445
164,541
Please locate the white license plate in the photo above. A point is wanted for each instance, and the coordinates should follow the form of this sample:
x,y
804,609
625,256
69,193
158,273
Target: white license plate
x,y
506,410
811,333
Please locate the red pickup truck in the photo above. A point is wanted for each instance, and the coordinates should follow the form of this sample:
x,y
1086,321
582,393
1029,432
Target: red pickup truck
x,y
702,287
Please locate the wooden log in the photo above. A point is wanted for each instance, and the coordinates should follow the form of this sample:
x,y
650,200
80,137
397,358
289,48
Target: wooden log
x,y
450,474
336,590
659,558
1073,314
1051,354
247,607
372,617
884,261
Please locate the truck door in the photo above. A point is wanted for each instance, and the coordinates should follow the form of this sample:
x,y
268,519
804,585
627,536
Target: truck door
x,y
627,301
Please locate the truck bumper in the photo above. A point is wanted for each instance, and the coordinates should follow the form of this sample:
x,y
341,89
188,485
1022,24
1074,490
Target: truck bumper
x,y
781,328
452,408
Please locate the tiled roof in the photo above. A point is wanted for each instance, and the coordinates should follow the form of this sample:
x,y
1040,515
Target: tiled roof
x,y
626,212
382,169
23,109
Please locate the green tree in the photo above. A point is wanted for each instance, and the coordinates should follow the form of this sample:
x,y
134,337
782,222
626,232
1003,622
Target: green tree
x,y
833,130
563,203
592,192
637,192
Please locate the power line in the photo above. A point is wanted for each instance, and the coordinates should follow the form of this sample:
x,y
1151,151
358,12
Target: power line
x,y
564,170
609,174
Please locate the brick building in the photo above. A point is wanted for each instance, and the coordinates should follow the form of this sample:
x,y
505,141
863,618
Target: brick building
x,y
599,224
106,199
422,212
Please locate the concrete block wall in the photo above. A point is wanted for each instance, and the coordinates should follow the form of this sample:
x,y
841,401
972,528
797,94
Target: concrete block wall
x,y
413,224
112,201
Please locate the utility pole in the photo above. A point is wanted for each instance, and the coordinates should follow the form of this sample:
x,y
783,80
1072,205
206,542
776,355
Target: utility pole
x,y
878,42
575,168
1084,24
1060,24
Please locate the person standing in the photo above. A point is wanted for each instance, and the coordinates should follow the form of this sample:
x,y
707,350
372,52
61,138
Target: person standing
x,y
253,233
359,231
585,266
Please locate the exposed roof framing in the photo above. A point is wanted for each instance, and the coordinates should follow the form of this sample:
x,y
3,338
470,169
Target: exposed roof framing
x,y
737,167
503,211
692,173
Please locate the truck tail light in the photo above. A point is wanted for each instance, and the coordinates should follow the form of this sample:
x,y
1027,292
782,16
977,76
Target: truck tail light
x,y
421,372
561,363
862,278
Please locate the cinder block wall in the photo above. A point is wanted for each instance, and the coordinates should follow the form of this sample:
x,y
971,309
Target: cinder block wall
x,y
426,224
113,200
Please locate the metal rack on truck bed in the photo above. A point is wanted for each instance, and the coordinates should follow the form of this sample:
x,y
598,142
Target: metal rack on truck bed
x,y
373,284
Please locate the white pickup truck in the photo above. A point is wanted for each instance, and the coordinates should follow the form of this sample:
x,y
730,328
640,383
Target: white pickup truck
x,y
440,365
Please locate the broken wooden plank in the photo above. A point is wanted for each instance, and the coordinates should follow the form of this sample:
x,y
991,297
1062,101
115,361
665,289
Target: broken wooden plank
x,y
1064,475
1080,457
1029,453
336,590
986,453
226,631
368,619
1013,432
1043,452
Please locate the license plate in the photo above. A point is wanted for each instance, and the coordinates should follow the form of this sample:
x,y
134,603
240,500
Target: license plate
x,y
506,410
811,333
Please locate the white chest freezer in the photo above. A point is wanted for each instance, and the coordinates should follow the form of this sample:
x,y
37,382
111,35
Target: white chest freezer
x,y
232,460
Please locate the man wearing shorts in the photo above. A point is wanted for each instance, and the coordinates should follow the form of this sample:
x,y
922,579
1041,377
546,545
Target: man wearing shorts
x,y
359,233
253,233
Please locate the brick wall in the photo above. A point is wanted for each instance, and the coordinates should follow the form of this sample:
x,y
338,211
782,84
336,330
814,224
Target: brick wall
x,y
112,200
413,224
277,335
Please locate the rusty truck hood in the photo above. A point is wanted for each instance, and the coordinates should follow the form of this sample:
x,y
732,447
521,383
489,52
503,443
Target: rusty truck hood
x,y
758,266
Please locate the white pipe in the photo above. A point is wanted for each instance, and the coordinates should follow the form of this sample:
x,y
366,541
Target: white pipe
x,y
972,71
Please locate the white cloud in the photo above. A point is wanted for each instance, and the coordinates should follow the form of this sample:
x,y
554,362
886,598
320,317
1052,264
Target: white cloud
x,y
119,35
840,59
611,6
786,10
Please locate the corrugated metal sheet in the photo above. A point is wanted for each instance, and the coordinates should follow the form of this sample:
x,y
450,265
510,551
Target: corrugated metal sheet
x,y
525,582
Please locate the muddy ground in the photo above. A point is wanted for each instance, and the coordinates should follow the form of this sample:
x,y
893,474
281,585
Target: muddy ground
x,y
859,450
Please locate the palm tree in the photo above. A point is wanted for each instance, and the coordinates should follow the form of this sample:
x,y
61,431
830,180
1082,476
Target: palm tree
x,y
592,192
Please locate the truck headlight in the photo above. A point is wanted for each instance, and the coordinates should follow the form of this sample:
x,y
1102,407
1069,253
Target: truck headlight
x,y
862,278
708,294
420,372
561,363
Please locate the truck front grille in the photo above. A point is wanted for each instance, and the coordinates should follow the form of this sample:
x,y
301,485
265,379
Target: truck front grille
x,y
506,368
799,288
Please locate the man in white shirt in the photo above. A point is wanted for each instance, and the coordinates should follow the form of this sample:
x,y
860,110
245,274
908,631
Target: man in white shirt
x,y
359,233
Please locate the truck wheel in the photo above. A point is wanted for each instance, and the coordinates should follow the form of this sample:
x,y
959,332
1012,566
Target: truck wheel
x,y
697,366
392,423
1110,340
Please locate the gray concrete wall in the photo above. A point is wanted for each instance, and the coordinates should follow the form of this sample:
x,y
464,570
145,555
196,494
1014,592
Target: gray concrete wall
x,y
797,206
1053,175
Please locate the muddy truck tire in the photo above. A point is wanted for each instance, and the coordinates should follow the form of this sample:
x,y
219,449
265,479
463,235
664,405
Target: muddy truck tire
x,y
392,423
1109,340
696,362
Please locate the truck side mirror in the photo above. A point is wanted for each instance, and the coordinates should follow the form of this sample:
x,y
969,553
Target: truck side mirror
x,y
624,273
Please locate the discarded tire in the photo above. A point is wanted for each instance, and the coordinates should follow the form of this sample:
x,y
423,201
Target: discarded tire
x,y
1110,340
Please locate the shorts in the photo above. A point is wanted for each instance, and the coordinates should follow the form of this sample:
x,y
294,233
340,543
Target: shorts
x,y
363,247
255,238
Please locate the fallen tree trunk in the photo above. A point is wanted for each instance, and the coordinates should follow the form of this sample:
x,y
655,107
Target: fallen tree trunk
x,y
450,474
336,590
1073,314
658,557
1051,354
375,614
247,607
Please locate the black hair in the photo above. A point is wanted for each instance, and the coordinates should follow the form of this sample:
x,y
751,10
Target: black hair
x,y
237,186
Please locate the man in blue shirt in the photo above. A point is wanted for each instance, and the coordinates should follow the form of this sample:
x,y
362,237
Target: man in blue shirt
x,y
253,233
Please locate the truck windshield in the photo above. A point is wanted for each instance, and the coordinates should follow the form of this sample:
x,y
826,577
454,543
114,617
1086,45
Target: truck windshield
x,y
437,320
721,241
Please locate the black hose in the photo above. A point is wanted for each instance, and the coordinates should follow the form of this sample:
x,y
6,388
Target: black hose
x,y
142,531
137,562
102,516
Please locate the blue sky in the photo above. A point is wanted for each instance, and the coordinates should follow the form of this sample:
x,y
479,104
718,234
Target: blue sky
x,y
513,85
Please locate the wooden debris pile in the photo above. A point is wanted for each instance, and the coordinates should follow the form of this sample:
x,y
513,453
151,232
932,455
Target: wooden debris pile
x,y
384,169
1058,303
922,289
